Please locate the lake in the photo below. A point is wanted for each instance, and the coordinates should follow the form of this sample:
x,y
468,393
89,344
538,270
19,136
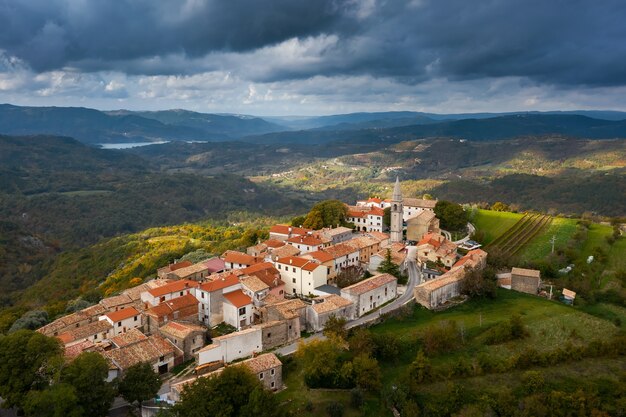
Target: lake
x,y
128,145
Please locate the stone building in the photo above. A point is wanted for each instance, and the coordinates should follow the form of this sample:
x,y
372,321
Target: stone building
x,y
371,293
325,307
277,333
525,280
187,337
421,224
397,221
436,292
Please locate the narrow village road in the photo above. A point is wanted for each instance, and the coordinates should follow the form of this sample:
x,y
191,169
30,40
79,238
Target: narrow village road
x,y
415,278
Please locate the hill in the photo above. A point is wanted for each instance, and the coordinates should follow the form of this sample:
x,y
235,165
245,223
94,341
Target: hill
x,y
93,126
57,194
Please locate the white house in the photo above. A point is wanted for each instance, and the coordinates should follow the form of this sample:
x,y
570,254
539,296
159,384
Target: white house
x,y
237,309
231,347
371,293
344,255
301,276
123,320
167,292
306,243
366,218
237,260
210,296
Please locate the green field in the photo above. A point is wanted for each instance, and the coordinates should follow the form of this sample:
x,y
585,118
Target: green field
x,y
494,223
540,247
550,325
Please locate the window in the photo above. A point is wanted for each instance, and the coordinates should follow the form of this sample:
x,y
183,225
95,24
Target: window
x,y
385,291
272,384
161,358
269,335
242,311
294,280
272,372
294,269
181,293
135,318
119,324
201,295
261,375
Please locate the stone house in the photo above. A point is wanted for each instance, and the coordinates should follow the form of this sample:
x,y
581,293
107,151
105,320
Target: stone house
x,y
371,293
164,271
367,247
187,337
181,308
436,248
277,333
325,307
267,272
436,292
421,224
525,280
195,272
93,332
231,347
293,311
155,350
398,253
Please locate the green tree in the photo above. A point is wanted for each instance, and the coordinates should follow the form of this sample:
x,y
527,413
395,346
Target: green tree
x,y
452,217
28,361
298,221
87,374
366,372
31,320
321,360
335,326
480,283
140,383
387,217
234,392
59,400
387,266
361,342
499,206
327,213
420,370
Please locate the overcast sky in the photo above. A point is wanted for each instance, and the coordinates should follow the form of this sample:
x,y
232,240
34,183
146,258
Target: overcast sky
x,y
306,57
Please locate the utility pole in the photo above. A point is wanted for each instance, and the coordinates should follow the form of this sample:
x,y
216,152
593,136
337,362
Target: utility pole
x,y
553,240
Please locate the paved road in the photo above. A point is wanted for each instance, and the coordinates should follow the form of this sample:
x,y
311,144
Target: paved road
x,y
414,279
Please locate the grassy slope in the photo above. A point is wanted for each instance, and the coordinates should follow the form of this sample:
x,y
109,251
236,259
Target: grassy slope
x,y
540,246
494,223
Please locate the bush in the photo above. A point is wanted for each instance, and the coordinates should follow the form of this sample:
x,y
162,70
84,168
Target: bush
x,y
335,409
440,338
356,397
31,320
506,331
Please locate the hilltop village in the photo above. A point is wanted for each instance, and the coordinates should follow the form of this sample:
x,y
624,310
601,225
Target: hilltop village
x,y
245,307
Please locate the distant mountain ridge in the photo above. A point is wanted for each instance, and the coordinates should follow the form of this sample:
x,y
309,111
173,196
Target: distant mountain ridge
x,y
123,126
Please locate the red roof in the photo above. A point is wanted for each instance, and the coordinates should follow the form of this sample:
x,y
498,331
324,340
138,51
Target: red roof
x,y
320,256
356,213
305,240
175,304
183,264
215,265
123,314
172,287
306,264
374,200
273,243
377,211
283,229
241,258
220,283
238,298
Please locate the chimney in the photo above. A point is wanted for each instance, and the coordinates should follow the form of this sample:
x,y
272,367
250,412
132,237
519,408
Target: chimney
x,y
290,261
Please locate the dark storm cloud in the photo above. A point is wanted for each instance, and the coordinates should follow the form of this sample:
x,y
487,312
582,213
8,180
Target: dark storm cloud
x,y
557,42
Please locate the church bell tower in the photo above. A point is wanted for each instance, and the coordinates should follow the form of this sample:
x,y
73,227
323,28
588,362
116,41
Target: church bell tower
x,y
396,213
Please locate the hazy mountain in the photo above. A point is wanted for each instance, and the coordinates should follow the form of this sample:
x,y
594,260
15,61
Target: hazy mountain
x,y
354,120
495,128
93,126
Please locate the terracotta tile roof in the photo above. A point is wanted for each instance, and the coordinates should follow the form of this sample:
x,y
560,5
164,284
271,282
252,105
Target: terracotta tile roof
x,y
262,363
233,334
296,261
290,308
220,283
135,292
369,284
179,265
356,213
190,270
122,314
180,330
148,350
94,311
320,256
398,253
424,216
71,352
374,200
453,275
168,307
376,211
419,202
339,250
472,258
85,331
273,243
568,293
215,264
128,338
116,301
329,303
241,258
238,298
254,284
284,251
380,236
533,273
305,240
283,229
362,242
172,287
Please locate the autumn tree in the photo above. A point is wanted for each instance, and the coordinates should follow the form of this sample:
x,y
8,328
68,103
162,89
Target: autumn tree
x,y
420,370
366,372
335,326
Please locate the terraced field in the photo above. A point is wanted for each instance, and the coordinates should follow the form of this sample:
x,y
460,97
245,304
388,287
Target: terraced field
x,y
522,232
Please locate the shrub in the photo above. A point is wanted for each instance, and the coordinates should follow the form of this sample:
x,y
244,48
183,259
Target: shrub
x,y
335,409
356,397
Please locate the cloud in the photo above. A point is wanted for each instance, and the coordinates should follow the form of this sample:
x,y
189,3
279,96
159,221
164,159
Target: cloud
x,y
302,55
